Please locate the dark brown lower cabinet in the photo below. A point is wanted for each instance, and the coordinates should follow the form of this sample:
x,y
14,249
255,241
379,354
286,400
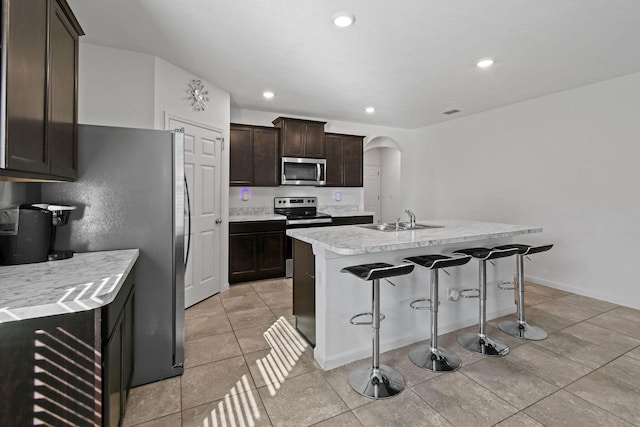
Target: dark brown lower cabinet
x,y
68,369
118,356
304,289
257,250
352,220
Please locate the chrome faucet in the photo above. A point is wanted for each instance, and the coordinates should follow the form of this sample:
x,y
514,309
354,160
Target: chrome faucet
x,y
412,218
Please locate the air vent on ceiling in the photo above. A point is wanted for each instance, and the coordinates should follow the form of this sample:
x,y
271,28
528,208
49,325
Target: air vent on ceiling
x,y
449,112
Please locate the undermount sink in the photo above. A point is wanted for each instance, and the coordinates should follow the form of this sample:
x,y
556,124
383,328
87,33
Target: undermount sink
x,y
403,226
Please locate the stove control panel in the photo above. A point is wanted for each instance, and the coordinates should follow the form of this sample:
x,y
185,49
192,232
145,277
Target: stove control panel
x,y
295,202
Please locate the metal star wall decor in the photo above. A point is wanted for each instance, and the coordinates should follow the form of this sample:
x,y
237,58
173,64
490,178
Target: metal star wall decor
x,y
198,95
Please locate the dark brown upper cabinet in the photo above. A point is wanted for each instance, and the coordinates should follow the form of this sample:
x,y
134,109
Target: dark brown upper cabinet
x,y
40,90
253,156
344,160
301,138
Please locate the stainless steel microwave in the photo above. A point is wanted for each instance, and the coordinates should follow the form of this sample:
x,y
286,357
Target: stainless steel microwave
x,y
303,171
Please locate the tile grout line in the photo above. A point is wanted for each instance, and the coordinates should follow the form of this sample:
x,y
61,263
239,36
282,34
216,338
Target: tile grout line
x,y
564,388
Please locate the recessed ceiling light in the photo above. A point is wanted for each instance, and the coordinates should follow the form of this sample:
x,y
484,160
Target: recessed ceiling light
x,y
343,19
370,110
268,94
485,63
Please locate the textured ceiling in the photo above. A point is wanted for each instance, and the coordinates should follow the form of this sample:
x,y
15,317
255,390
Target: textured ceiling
x,y
411,59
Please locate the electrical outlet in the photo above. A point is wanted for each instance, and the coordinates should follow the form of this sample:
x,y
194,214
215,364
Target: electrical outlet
x,y
453,294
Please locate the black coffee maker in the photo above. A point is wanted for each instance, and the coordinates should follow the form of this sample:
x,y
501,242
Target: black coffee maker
x,y
27,233
60,217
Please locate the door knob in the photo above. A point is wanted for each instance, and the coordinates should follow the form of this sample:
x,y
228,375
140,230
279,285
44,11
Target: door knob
x,y
218,220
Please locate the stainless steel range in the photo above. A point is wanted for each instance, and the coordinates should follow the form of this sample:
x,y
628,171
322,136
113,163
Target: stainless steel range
x,y
301,212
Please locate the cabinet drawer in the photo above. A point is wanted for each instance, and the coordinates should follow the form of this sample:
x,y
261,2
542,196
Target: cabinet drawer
x,y
256,226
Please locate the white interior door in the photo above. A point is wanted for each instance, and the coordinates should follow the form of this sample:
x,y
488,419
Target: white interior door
x,y
202,165
372,190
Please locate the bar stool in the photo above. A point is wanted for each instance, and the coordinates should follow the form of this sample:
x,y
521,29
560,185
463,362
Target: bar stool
x,y
520,328
433,357
376,381
481,342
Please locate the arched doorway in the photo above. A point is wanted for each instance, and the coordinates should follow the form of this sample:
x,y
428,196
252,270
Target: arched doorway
x,y
382,178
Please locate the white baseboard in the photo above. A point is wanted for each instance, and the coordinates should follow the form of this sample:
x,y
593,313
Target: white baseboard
x,y
624,300
387,345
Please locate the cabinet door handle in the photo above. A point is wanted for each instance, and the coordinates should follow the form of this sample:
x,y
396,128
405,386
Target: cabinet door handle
x,y
310,275
218,220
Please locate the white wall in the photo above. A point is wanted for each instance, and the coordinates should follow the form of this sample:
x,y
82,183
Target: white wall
x,y
129,89
370,189
15,193
392,205
567,162
170,91
389,162
115,87
262,197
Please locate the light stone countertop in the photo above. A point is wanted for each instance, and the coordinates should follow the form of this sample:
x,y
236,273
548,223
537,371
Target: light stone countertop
x,y
84,282
342,213
355,240
276,217
260,217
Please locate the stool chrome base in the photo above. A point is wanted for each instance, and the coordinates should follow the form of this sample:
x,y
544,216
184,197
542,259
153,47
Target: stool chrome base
x,y
483,344
378,383
437,360
522,330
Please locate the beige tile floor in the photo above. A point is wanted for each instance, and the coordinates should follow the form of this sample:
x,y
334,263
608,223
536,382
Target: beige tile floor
x,y
587,373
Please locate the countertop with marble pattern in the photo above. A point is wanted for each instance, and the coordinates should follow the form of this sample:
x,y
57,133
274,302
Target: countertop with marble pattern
x,y
259,217
276,217
84,282
336,213
355,240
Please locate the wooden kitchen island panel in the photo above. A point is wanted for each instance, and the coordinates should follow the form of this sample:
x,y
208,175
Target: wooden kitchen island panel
x,y
304,290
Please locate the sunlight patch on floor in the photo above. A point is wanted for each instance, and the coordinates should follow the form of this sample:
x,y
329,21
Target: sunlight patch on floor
x,y
239,407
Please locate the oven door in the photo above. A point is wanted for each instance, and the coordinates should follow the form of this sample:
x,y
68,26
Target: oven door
x,y
302,171
289,262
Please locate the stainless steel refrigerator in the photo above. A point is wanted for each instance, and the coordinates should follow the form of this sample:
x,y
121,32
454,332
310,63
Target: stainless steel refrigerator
x,y
131,193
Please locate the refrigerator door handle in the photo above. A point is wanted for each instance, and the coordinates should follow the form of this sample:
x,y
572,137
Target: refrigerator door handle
x,y
186,186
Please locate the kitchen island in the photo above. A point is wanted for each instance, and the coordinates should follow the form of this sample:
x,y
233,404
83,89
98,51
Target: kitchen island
x,y
320,254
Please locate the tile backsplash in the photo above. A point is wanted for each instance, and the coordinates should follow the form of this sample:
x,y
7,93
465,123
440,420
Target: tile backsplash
x,y
260,200
248,210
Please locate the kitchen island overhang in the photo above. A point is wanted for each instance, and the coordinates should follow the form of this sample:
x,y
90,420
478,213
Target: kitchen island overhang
x,y
339,296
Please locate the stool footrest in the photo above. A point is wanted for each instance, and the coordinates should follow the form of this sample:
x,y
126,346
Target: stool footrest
x,y
415,304
469,293
506,286
353,320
